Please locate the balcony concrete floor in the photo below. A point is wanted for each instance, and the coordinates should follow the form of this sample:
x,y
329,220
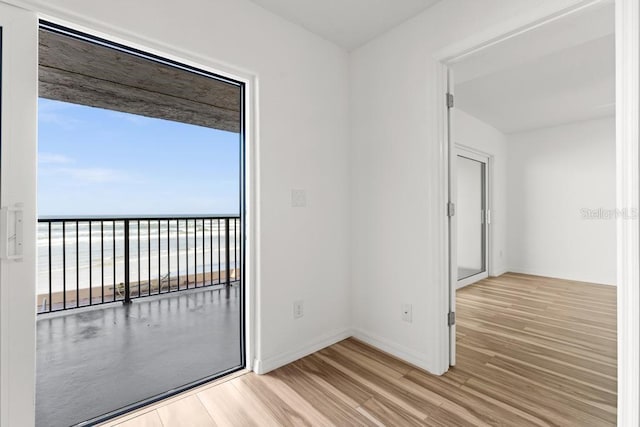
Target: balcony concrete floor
x,y
94,361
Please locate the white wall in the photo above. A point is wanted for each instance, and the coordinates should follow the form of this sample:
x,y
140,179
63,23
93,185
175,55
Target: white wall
x,y
554,173
303,144
396,215
382,232
476,134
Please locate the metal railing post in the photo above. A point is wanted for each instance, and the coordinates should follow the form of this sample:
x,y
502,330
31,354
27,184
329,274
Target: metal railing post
x,y
228,254
127,291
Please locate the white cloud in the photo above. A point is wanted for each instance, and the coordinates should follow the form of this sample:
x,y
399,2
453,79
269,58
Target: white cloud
x,y
129,117
98,175
88,175
53,158
58,113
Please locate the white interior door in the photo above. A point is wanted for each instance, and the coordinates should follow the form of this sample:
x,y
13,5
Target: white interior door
x,y
475,216
453,264
18,147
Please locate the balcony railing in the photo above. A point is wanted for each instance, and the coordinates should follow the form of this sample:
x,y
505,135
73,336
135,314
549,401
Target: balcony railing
x,y
87,261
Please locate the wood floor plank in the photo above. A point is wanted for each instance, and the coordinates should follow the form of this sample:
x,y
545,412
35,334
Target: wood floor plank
x,y
281,410
459,400
549,406
149,419
370,352
498,345
227,406
532,351
447,416
358,394
187,412
389,415
279,388
367,414
393,390
338,411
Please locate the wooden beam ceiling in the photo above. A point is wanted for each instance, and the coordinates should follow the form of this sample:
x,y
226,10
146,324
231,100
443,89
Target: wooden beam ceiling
x,y
85,73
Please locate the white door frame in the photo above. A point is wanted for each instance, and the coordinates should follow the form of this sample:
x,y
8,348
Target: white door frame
x,y
627,25
484,158
18,188
17,408
627,199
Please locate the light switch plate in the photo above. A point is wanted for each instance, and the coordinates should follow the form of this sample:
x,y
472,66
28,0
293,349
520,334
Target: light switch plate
x,y
298,198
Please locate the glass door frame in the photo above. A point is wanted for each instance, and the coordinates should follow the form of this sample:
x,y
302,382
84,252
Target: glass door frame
x,y
246,209
18,126
485,159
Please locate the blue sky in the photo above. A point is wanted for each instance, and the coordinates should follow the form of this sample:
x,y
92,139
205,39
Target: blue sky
x,y
101,162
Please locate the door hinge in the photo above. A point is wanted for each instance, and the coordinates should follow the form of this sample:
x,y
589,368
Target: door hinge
x,y
451,209
451,318
449,100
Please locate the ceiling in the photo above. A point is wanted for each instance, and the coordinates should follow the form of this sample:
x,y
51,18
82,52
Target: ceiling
x,y
347,23
560,72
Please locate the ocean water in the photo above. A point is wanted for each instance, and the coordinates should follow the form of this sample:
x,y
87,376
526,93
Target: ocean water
x,y
95,254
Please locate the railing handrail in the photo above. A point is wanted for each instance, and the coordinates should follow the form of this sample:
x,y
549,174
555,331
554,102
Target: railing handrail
x,y
85,218
192,234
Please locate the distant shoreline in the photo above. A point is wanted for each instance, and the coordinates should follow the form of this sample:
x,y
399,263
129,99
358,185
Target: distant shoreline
x,y
83,295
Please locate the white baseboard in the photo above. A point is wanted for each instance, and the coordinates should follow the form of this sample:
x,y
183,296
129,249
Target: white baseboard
x,y
534,272
401,352
499,272
262,366
470,280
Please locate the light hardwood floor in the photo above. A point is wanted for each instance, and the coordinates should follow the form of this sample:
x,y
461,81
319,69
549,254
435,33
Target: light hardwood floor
x,y
531,351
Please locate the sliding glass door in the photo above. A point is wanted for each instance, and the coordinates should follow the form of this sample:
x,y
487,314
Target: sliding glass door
x,y
139,286
18,93
472,216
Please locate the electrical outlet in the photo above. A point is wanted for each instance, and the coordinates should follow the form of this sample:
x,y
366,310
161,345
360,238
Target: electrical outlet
x,y
298,309
298,198
407,313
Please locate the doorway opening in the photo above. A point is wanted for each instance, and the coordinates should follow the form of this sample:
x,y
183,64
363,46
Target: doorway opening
x,y
140,290
541,101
